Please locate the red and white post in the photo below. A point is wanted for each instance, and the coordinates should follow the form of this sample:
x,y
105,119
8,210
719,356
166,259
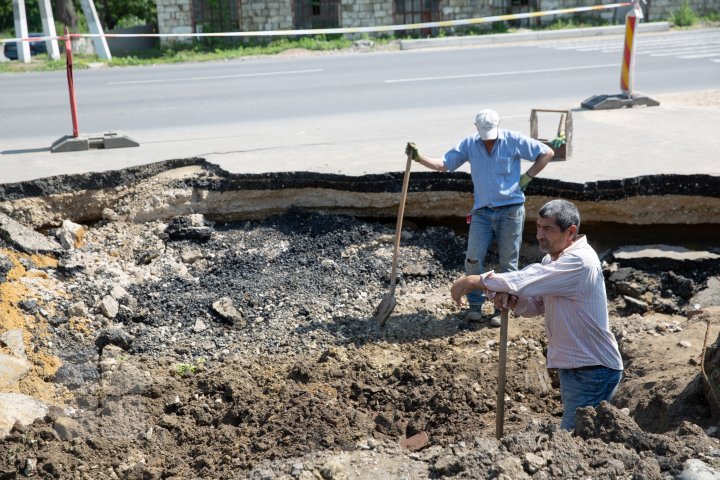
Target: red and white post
x,y
627,72
77,142
628,98
71,83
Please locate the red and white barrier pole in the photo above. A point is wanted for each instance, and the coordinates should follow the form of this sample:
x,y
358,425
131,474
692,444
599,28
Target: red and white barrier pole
x,y
71,83
76,142
628,64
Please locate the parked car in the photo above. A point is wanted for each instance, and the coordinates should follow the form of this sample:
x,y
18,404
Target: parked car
x,y
11,49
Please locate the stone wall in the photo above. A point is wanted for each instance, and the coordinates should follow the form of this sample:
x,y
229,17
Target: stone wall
x,y
654,10
363,13
462,9
174,16
615,15
261,15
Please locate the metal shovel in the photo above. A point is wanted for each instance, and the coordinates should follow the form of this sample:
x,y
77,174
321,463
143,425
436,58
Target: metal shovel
x,y
502,363
387,305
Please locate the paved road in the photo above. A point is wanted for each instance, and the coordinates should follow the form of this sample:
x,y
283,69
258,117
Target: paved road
x,y
689,45
336,113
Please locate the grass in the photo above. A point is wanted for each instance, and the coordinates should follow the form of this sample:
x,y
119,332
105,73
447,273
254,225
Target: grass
x,y
219,50
207,51
564,24
684,16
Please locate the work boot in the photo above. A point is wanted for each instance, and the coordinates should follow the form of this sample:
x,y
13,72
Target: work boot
x,y
495,320
474,313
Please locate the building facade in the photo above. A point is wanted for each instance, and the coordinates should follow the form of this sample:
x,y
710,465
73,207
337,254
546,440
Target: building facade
x,y
191,16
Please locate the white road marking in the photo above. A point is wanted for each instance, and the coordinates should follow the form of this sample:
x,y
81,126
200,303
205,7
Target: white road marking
x,y
685,46
215,77
499,74
702,55
683,51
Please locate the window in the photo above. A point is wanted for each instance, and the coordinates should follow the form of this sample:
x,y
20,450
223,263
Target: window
x,y
317,14
417,11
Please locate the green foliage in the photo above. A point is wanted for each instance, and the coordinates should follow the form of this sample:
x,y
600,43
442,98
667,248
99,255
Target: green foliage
x,y
711,17
6,16
125,13
562,23
186,369
499,27
684,16
32,10
195,52
39,64
112,13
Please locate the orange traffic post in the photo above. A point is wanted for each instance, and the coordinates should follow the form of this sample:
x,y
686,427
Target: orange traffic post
x,y
628,98
628,62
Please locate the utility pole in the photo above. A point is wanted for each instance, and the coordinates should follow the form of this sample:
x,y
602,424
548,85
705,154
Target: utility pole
x,y
21,30
48,23
99,41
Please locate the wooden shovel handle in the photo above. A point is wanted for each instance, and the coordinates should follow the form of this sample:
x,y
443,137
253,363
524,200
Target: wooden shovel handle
x,y
502,363
398,227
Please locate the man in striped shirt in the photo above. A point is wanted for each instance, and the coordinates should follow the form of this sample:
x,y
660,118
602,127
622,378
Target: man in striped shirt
x,y
569,288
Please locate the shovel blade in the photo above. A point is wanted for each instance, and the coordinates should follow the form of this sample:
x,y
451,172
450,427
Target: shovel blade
x,y
383,311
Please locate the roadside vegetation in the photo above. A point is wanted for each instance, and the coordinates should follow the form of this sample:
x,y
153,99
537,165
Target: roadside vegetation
x,y
221,49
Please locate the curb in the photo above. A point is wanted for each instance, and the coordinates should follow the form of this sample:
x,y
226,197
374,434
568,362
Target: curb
x,y
525,36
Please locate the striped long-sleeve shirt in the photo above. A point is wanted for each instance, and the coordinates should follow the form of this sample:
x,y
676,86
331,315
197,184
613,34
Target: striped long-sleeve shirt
x,y
570,291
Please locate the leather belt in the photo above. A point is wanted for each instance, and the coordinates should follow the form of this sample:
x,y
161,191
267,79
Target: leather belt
x,y
494,209
589,367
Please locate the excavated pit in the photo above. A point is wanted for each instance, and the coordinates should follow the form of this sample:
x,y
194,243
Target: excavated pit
x,y
193,185
200,324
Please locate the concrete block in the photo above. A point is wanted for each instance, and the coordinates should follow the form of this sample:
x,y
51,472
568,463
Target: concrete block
x,y
12,370
16,407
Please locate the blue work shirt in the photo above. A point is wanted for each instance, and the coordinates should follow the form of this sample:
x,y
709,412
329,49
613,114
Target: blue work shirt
x,y
496,176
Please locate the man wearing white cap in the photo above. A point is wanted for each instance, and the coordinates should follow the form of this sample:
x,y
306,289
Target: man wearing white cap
x,y
498,211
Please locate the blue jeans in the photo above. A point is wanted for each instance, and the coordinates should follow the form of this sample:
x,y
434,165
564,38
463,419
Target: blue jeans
x,y
503,224
585,388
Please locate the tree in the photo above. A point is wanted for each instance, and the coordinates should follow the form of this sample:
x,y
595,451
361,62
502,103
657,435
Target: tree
x,y
113,12
6,15
66,14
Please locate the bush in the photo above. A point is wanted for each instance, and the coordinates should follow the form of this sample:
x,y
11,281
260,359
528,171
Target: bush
x,y
712,17
684,16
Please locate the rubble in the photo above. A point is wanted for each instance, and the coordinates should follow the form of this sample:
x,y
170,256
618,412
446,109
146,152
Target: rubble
x,y
246,349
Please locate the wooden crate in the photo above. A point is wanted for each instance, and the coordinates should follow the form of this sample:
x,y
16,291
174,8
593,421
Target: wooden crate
x,y
563,152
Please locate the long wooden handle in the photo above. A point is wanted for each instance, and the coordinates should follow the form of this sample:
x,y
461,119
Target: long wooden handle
x,y
502,363
398,227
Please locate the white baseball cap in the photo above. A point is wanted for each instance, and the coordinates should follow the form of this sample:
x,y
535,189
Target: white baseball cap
x,y
487,122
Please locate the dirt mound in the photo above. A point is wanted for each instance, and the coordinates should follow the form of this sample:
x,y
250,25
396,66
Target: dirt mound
x,y
248,350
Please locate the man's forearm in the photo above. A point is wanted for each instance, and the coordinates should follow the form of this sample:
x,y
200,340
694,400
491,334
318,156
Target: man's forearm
x,y
465,285
540,162
432,163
